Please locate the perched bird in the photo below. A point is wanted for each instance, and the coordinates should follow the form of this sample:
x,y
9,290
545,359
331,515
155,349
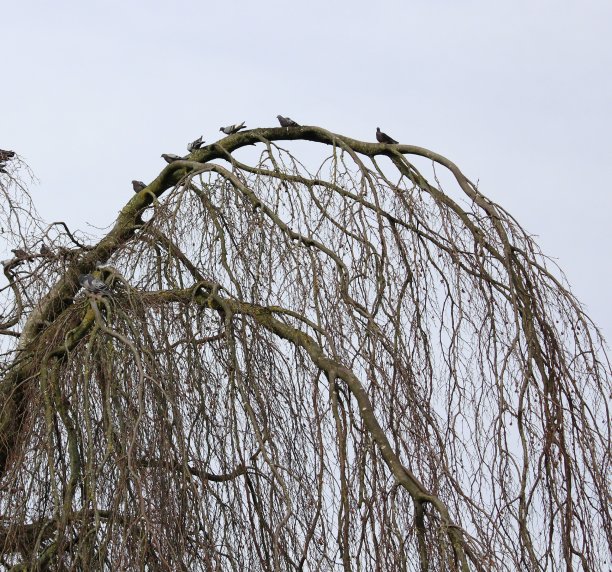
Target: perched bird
x,y
6,155
45,250
196,144
287,121
138,186
170,157
383,137
93,284
231,129
19,253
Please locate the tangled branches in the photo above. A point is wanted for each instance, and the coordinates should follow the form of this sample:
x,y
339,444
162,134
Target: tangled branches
x,y
351,366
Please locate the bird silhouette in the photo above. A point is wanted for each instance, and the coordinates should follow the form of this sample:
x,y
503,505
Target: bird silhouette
x,y
287,121
94,285
138,186
171,157
231,129
19,253
383,137
6,155
195,144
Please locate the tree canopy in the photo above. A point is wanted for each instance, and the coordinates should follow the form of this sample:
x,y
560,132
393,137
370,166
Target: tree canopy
x,y
365,364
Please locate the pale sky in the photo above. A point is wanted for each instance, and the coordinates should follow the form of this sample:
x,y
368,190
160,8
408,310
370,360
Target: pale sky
x,y
518,94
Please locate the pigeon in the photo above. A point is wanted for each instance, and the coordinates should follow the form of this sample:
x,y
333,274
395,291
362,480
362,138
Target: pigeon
x,y
19,253
93,284
194,145
383,137
170,157
287,121
138,186
231,129
6,155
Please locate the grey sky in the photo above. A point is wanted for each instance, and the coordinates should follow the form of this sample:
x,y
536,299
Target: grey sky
x,y
518,93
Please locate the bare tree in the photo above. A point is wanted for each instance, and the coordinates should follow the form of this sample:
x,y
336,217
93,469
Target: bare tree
x,y
362,365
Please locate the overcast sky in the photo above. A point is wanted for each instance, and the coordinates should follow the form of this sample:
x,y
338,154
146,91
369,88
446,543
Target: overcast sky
x,y
518,93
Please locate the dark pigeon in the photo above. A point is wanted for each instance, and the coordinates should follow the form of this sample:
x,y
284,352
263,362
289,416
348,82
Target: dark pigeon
x,y
138,186
6,155
170,157
196,144
19,253
231,129
384,138
94,285
287,121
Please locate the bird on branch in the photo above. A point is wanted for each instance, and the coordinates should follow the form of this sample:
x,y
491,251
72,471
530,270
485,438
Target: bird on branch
x,y
94,285
138,186
45,250
231,129
384,138
287,121
6,155
195,144
171,157
19,253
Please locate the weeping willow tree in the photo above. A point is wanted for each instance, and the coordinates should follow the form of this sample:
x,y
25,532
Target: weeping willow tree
x,y
365,364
